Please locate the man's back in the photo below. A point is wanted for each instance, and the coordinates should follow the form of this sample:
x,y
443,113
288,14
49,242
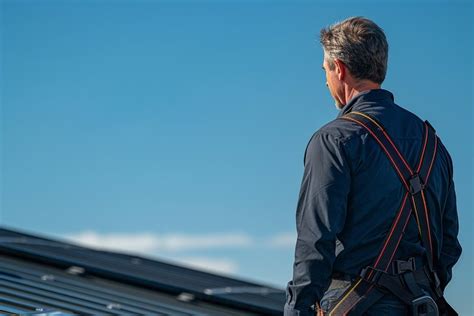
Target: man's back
x,y
351,193
376,191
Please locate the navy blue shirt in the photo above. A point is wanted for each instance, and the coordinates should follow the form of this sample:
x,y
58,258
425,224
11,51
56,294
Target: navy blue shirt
x,y
350,195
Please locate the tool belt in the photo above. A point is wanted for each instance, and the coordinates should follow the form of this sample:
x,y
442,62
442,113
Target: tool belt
x,y
405,278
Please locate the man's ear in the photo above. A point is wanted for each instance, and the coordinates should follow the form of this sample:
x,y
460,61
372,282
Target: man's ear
x,y
340,69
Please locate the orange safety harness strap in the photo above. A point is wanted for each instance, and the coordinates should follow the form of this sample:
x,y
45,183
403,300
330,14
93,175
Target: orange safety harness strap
x,y
364,292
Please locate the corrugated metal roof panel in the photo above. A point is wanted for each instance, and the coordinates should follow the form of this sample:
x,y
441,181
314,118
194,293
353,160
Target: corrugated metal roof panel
x,y
63,276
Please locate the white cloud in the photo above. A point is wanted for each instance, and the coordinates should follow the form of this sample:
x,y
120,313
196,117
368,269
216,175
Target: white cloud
x,y
282,240
178,242
147,242
175,247
140,242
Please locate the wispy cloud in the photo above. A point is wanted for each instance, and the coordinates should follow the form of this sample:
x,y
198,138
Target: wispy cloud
x,y
176,247
147,242
282,240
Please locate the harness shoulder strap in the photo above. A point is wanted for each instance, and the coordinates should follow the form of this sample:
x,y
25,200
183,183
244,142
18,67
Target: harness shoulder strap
x,y
362,294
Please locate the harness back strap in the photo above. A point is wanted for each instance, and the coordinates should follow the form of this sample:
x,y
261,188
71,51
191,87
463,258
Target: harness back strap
x,y
363,293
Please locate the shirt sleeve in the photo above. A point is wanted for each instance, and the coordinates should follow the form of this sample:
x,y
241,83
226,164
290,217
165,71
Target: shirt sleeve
x,y
450,248
320,216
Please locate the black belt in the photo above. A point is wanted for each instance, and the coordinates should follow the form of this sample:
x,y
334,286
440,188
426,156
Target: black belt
x,y
415,262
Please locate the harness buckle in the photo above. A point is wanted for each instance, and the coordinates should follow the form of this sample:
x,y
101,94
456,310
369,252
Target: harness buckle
x,y
402,266
424,306
416,185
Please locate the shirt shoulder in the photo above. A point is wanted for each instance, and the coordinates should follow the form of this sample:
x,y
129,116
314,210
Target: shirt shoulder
x,y
334,136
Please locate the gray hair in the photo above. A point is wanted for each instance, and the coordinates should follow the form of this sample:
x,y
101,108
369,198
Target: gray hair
x,y
360,44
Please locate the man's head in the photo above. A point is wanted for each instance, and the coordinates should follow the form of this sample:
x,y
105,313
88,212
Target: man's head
x,y
355,56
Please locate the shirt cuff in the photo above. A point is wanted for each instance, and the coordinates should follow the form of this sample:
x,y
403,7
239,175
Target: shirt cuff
x,y
290,311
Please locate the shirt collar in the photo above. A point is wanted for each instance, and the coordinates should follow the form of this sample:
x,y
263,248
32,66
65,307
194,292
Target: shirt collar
x,y
366,96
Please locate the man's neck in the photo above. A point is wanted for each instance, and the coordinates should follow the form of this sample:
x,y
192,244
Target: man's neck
x,y
361,86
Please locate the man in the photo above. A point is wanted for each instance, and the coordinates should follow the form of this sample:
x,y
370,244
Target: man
x,y
351,193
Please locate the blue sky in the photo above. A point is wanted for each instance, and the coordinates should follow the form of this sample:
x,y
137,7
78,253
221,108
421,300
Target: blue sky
x,y
177,129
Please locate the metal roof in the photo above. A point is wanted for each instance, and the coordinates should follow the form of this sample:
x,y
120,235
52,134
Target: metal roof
x,y
42,276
